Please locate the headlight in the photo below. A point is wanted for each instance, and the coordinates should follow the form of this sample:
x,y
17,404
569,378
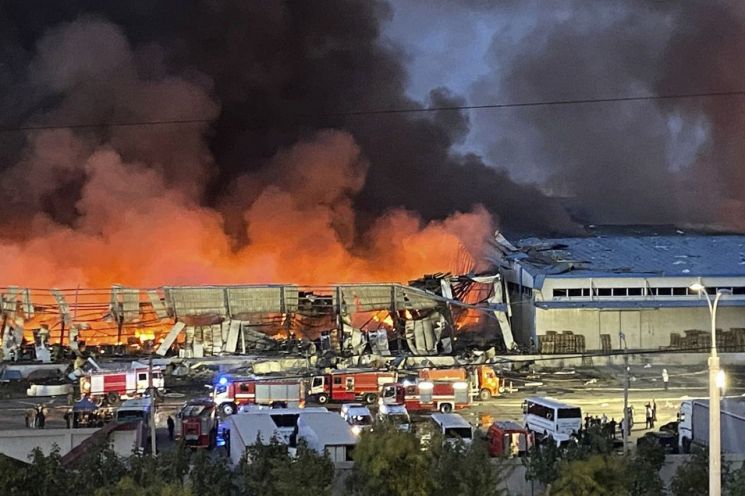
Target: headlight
x,y
356,429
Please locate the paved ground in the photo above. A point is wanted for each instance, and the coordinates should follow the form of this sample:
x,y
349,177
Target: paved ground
x,y
596,390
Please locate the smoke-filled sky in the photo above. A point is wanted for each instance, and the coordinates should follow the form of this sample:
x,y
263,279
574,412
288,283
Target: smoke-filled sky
x,y
278,185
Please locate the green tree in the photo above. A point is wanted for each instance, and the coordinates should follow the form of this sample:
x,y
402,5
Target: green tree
x,y
692,477
12,476
46,475
736,484
210,475
593,441
99,466
128,487
172,466
258,467
315,470
643,470
462,470
389,462
598,475
542,463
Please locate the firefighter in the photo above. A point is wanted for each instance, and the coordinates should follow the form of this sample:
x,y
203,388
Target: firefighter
x,y
171,427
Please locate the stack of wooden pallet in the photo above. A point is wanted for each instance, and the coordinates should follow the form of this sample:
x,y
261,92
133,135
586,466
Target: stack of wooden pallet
x,y
605,343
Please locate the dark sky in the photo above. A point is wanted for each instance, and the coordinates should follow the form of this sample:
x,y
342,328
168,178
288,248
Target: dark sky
x,y
269,76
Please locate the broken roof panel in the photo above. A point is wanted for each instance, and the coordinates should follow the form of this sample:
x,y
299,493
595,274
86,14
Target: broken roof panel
x,y
645,256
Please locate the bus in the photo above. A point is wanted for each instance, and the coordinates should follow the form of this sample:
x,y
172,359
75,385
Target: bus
x,y
547,417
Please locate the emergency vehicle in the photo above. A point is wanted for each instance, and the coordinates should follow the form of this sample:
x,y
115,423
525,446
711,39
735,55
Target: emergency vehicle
x,y
507,438
112,386
348,385
196,423
482,381
428,396
230,392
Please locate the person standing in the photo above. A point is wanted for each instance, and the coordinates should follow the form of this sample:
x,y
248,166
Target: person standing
x,y
654,411
612,427
171,427
665,378
41,418
649,423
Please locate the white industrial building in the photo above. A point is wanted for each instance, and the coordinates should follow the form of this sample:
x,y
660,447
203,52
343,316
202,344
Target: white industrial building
x,y
635,286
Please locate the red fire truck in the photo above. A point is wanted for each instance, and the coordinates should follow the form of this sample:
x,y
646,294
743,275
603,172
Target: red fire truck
x,y
348,385
111,386
428,396
482,380
196,423
231,392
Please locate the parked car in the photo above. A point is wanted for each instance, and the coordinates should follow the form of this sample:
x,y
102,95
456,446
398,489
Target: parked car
x,y
358,416
395,414
453,427
667,440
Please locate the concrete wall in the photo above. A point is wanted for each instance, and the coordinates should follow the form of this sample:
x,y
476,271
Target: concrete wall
x,y
19,443
644,328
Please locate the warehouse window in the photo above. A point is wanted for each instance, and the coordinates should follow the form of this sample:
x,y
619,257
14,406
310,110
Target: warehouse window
x,y
619,291
680,291
603,292
739,290
560,293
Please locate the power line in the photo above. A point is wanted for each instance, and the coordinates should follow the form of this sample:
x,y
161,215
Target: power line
x,y
373,112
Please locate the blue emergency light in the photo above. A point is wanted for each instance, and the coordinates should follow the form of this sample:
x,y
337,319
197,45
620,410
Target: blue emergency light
x,y
222,381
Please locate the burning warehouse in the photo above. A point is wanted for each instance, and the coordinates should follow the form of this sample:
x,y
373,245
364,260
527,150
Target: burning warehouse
x,y
425,318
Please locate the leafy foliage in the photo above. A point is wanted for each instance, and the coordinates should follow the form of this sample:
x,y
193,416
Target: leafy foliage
x,y
210,475
598,475
462,470
643,470
316,472
542,463
692,477
389,462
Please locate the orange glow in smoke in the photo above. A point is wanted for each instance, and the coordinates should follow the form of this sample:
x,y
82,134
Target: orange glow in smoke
x,y
137,229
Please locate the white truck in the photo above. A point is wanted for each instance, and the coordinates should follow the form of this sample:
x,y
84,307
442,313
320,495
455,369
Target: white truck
x,y
693,428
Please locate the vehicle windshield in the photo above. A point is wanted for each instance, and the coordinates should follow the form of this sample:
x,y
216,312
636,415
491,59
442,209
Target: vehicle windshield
x,y
128,415
398,418
389,392
360,420
458,433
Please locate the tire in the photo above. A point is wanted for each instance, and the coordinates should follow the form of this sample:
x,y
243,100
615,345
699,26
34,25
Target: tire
x,y
228,409
446,408
322,398
371,398
484,395
113,398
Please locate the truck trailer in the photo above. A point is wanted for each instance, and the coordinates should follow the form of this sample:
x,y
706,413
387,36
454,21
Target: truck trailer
x,y
693,428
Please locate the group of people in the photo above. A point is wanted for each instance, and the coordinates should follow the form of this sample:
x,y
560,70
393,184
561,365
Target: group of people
x,y
36,417
606,426
609,426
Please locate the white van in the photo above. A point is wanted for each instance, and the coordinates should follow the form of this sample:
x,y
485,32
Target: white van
x,y
358,416
547,417
453,427
138,410
396,414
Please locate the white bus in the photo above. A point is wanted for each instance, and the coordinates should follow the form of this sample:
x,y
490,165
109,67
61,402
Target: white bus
x,y
550,418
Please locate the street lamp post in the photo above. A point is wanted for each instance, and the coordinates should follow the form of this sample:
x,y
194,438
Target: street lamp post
x,y
715,451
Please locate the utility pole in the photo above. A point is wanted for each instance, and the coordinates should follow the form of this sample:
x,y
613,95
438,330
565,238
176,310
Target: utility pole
x,y
152,403
626,383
